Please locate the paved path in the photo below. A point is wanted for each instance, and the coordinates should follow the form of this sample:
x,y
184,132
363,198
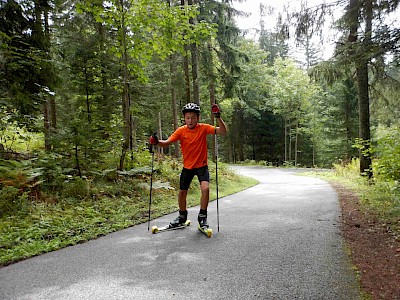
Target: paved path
x,y
277,240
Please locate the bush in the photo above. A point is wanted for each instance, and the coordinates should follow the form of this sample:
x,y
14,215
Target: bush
x,y
76,187
11,200
384,196
18,182
351,168
387,151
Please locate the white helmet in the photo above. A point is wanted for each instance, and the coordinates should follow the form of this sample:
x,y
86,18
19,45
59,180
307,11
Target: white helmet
x,y
191,107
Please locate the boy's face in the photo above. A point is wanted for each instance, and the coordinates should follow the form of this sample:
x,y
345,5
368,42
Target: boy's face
x,y
191,119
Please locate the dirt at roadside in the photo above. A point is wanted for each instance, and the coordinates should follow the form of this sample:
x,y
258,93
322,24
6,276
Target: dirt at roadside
x,y
375,249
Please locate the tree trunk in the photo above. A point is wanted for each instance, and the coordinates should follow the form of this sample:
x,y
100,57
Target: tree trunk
x,y
195,64
363,94
160,133
211,88
76,147
286,137
88,112
186,66
238,132
50,81
172,69
314,141
126,126
126,115
53,113
290,144
104,101
347,121
42,42
296,144
187,75
46,124
195,75
132,136
358,55
364,120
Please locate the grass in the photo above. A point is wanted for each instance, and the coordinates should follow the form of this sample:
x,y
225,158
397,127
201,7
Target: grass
x,y
81,212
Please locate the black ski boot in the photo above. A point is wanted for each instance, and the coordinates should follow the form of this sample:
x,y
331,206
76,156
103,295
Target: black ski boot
x,y
180,220
202,218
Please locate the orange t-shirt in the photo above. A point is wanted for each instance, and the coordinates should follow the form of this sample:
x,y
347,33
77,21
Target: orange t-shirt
x,y
193,144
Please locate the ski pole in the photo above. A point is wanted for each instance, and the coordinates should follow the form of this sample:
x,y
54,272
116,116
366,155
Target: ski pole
x,y
216,173
151,183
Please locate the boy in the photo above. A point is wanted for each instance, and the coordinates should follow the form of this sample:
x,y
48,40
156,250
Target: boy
x,y
192,137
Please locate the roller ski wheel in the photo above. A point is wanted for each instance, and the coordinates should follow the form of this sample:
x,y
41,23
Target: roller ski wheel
x,y
155,229
207,231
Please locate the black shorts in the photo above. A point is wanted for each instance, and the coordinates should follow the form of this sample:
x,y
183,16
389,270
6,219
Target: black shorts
x,y
188,174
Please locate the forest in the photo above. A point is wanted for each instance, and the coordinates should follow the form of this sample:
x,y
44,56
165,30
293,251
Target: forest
x,y
83,85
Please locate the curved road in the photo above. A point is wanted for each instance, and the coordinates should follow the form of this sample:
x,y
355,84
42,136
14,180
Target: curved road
x,y
278,240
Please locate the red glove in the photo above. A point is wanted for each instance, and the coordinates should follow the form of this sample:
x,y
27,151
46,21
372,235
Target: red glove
x,y
153,139
216,110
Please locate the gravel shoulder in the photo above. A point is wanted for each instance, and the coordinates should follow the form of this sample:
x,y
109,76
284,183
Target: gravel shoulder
x,y
374,248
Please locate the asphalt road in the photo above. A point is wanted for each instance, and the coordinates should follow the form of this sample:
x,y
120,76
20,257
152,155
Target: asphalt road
x,y
278,240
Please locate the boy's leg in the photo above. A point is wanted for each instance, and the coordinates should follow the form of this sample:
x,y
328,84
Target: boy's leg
x,y
204,178
184,183
182,199
205,194
185,180
205,197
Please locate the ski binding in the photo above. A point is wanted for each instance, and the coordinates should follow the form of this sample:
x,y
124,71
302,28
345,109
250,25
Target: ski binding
x,y
155,229
207,231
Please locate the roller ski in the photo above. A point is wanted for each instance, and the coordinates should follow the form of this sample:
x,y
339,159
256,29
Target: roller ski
x,y
180,222
203,226
155,229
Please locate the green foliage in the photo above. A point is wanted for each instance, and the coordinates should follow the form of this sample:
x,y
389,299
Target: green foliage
x,y
12,200
159,29
298,102
15,46
380,195
384,197
348,169
16,138
252,126
18,181
75,187
291,90
141,158
336,119
53,171
385,109
387,151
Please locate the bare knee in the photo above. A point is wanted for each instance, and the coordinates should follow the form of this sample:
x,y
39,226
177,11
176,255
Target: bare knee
x,y
183,193
204,186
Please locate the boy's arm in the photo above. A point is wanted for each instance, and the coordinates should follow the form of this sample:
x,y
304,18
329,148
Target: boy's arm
x,y
163,143
221,129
